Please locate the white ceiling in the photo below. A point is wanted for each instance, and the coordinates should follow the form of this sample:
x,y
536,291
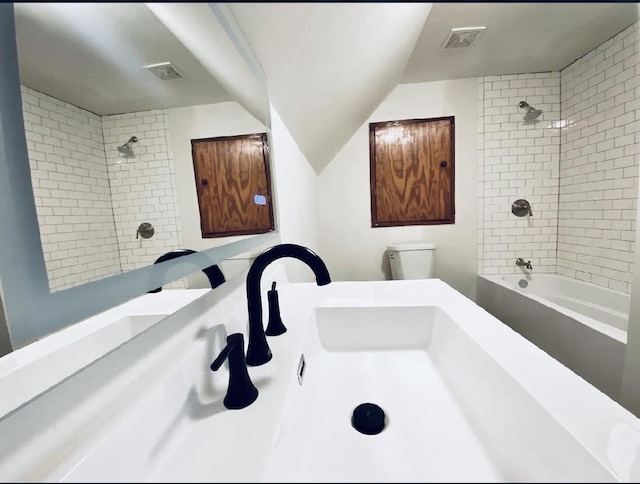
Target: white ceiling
x,y
325,62
329,65
520,37
91,55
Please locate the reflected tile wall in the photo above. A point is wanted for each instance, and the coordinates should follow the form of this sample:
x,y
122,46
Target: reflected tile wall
x,y
71,190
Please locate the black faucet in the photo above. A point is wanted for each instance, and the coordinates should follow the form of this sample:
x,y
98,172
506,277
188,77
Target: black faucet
x,y
258,352
241,391
213,272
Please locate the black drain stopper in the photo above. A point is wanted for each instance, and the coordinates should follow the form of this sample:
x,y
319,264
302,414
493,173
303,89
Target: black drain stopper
x,y
368,418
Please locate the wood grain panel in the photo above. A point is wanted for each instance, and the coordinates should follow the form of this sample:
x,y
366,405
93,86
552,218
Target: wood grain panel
x,y
412,172
229,172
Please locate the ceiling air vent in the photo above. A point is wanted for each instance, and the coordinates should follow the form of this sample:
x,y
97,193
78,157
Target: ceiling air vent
x,y
164,71
462,37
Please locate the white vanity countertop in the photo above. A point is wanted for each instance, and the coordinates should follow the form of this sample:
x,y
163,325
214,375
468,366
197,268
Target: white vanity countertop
x,y
33,369
155,397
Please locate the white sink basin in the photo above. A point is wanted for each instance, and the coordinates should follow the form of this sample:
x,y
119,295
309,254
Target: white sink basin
x,y
466,399
453,414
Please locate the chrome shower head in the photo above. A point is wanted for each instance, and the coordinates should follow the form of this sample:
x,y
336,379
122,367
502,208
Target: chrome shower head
x,y
126,148
531,113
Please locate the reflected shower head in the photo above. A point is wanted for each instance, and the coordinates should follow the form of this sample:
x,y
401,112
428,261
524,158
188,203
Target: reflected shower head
x,y
531,113
126,148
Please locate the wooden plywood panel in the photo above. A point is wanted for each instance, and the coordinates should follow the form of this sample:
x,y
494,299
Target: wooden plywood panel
x,y
230,172
412,172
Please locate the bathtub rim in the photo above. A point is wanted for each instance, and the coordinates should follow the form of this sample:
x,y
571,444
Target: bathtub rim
x,y
606,329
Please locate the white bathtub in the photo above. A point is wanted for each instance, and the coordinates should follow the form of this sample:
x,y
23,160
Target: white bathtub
x,y
582,325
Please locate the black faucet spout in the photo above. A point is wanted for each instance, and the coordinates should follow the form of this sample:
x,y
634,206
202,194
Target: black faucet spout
x,y
213,272
258,351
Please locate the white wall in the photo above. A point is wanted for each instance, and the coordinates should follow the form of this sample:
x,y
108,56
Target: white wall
x,y
517,160
71,190
296,187
353,249
598,165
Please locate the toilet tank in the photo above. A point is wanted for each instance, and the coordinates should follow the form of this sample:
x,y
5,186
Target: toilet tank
x,y
412,260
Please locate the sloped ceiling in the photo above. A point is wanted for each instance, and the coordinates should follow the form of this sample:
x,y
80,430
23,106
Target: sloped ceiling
x,y
330,65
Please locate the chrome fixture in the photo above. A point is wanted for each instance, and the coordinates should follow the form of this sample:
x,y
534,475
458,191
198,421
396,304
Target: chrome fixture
x,y
241,391
461,37
145,230
126,148
531,113
521,207
213,272
165,71
524,263
301,367
258,352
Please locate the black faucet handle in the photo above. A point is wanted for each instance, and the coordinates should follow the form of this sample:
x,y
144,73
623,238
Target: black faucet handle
x,y
232,343
241,391
275,326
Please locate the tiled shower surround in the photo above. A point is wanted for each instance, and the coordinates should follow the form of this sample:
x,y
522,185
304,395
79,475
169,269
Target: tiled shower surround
x,y
142,187
518,160
578,167
90,199
598,163
71,190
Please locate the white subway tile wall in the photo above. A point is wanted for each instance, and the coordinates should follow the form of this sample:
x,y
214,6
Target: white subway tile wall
x,y
90,199
600,104
71,190
518,159
578,167
143,187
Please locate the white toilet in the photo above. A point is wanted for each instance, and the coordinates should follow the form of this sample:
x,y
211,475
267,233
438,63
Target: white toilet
x,y
411,261
236,264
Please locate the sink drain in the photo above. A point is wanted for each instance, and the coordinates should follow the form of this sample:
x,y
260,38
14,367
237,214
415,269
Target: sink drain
x,y
368,418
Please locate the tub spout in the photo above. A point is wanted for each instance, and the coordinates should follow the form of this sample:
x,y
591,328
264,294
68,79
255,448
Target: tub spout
x,y
523,263
258,351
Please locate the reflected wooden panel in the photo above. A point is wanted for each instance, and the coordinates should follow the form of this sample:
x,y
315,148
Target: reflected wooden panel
x,y
232,181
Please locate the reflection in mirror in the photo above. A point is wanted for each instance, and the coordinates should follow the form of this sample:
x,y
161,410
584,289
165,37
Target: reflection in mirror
x,y
99,105
111,101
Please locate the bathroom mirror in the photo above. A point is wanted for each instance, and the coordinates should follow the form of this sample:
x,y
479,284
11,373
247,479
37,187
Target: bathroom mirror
x,y
111,100
98,143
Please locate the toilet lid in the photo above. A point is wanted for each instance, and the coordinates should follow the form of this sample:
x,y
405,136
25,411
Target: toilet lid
x,y
413,246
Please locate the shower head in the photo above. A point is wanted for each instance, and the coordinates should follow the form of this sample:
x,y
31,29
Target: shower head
x,y
126,148
531,113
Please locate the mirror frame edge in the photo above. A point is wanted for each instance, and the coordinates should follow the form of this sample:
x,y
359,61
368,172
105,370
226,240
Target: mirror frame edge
x,y
22,261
